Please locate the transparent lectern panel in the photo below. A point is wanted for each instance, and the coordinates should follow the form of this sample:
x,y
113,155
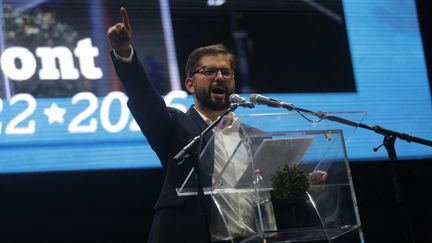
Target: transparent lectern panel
x,y
303,189
328,205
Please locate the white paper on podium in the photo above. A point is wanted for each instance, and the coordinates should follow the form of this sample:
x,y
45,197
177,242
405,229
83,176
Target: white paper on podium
x,y
273,154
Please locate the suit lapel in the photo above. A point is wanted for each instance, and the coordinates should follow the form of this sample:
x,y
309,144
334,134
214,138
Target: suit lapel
x,y
200,123
206,161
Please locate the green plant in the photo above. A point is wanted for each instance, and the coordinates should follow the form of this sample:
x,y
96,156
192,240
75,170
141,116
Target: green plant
x,y
290,184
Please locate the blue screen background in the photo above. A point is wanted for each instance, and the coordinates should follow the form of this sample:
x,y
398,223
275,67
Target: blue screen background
x,y
392,87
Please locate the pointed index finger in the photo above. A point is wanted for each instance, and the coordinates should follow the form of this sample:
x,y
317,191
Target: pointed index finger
x,y
125,18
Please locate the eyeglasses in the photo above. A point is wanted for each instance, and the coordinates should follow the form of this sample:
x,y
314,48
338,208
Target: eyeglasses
x,y
211,72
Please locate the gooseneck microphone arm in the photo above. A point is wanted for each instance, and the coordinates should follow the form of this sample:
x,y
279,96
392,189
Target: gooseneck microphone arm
x,y
184,152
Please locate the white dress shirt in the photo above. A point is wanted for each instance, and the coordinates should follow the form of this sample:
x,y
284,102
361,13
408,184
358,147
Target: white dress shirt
x,y
233,211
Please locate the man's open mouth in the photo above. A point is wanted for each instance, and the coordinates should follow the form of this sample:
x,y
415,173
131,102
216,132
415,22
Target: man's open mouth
x,y
218,90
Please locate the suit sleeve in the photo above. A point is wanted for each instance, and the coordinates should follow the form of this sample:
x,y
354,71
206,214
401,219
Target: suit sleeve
x,y
146,105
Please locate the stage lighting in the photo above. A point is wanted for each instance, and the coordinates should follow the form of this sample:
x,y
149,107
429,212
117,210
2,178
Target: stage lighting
x,y
215,3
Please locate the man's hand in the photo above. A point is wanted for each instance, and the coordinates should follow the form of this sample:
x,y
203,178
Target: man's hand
x,y
119,35
317,177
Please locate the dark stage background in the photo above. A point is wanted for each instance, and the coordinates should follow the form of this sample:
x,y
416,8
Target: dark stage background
x,y
116,206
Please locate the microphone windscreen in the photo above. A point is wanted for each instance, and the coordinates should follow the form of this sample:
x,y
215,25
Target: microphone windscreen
x,y
253,98
235,98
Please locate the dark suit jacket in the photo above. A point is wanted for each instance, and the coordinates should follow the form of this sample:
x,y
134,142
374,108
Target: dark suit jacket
x,y
167,130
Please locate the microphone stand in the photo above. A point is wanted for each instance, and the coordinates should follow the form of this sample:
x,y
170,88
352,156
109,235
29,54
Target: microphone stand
x,y
388,142
392,135
185,153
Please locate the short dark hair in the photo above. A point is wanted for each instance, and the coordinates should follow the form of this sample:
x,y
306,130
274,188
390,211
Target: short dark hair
x,y
193,61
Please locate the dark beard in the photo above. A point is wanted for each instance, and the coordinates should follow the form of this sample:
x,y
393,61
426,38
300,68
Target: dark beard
x,y
204,97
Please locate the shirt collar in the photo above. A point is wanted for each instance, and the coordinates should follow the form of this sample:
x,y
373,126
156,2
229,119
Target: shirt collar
x,y
206,119
231,128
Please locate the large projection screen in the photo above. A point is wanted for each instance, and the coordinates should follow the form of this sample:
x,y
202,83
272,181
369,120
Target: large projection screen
x,y
62,107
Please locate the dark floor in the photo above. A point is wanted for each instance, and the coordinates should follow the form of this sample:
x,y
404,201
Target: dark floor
x,y
116,206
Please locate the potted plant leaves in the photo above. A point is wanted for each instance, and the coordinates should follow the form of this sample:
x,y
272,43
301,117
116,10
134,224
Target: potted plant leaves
x,y
289,196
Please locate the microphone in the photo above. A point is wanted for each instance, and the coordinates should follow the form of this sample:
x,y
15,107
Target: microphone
x,y
237,99
260,99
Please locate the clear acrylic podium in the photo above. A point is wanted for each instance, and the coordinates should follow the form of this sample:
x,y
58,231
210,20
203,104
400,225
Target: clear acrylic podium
x,y
325,212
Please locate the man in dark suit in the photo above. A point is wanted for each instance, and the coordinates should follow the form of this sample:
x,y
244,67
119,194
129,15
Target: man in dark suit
x,y
210,79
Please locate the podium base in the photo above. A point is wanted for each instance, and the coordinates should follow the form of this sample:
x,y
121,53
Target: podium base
x,y
325,234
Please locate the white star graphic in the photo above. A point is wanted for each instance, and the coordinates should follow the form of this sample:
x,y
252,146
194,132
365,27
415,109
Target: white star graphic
x,y
55,113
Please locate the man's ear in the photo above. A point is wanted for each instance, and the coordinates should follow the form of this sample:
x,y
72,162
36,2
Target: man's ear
x,y
189,85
